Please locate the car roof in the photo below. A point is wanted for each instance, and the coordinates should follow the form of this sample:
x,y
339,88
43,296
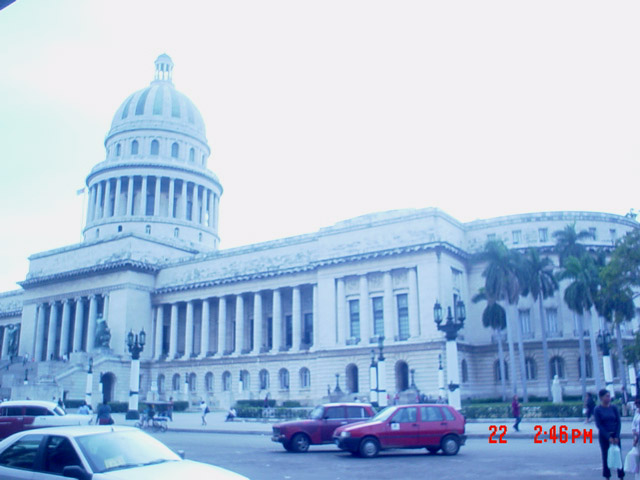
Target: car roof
x,y
80,430
28,403
346,404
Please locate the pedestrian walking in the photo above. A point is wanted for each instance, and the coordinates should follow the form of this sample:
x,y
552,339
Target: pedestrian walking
x,y
84,409
170,409
515,411
204,408
103,417
607,419
589,406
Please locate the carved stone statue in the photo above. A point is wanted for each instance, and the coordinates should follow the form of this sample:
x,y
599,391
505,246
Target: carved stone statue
x,y
103,334
14,337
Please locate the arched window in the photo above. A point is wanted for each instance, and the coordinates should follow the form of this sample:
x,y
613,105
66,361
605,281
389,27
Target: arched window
x,y
588,366
192,382
305,378
264,379
531,368
208,382
155,147
496,371
284,379
176,232
161,384
557,366
465,371
200,237
147,229
226,382
402,376
134,147
192,155
175,382
117,150
351,373
175,149
119,228
245,380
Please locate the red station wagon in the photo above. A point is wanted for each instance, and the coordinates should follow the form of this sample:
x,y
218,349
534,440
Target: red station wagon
x,y
296,436
433,427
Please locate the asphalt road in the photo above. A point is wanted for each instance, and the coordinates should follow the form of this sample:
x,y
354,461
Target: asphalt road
x,y
257,457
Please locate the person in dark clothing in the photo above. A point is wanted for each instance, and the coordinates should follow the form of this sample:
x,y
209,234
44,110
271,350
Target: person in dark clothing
x,y
607,419
589,407
515,410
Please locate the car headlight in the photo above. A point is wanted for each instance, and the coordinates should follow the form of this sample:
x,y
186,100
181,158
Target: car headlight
x,y
345,434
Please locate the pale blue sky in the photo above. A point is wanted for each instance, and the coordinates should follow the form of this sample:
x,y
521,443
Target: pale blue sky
x,y
325,110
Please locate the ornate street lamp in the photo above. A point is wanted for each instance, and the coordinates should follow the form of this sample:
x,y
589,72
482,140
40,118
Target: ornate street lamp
x,y
373,378
604,339
451,328
382,374
135,344
89,388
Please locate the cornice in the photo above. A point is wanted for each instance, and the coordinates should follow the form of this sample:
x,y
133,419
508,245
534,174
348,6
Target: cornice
x,y
11,313
86,293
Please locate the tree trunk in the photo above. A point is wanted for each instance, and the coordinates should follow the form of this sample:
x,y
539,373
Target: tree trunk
x,y
501,365
545,349
583,363
595,364
621,370
512,358
523,362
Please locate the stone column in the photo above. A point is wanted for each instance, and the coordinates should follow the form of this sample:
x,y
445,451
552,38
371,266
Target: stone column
x,y
365,321
183,200
173,332
344,331
188,332
172,194
257,323
210,206
116,203
130,196
91,204
91,324
314,315
5,343
296,320
159,331
277,321
107,199
222,326
156,198
143,194
414,321
239,324
194,203
64,331
203,199
216,199
98,209
77,325
204,328
387,305
40,333
53,328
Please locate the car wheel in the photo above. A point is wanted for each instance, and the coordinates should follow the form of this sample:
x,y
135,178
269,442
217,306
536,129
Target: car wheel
x,y
369,447
287,446
300,443
433,450
450,445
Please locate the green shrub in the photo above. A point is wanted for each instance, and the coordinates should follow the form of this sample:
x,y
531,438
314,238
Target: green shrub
x,y
73,403
529,410
180,406
119,407
291,404
277,413
254,403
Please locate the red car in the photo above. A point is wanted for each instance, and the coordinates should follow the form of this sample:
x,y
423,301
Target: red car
x,y
433,427
296,436
19,415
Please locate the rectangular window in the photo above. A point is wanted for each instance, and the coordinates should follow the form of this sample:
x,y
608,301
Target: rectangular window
x,y
456,278
543,234
517,234
354,318
525,322
491,237
378,316
288,321
307,334
613,235
403,316
592,232
552,321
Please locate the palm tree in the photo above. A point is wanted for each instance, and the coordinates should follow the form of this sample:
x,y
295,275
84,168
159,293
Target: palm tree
x,y
541,284
567,242
503,276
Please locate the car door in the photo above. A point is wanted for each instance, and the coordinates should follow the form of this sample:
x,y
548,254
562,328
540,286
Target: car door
x,y
432,425
332,419
57,453
11,420
402,429
18,460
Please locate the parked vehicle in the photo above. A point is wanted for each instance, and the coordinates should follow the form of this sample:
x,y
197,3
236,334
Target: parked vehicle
x,y
18,415
98,453
434,427
297,435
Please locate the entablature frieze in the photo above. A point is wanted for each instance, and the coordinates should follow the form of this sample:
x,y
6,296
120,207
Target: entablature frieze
x,y
86,293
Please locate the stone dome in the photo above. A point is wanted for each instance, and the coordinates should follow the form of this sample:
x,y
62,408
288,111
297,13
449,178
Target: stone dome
x,y
159,107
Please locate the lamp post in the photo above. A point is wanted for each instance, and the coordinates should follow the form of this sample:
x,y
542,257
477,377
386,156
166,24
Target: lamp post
x,y
442,393
89,388
451,328
382,374
135,343
604,338
373,378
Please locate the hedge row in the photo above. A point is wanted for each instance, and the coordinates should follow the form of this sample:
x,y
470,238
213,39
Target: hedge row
x,y
539,410
279,412
123,407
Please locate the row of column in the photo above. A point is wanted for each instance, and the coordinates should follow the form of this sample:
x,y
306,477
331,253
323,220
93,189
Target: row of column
x,y
365,298
260,325
65,334
104,203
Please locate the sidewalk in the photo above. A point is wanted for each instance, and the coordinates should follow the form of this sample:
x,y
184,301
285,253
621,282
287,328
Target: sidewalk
x,y
475,428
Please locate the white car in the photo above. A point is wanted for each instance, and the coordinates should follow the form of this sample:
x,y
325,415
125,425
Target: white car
x,y
98,453
19,415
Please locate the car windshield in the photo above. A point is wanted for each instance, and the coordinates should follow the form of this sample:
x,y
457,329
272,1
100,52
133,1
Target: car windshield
x,y
383,414
119,450
316,413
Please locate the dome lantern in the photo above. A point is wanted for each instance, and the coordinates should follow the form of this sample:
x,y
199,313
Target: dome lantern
x,y
164,68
